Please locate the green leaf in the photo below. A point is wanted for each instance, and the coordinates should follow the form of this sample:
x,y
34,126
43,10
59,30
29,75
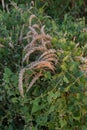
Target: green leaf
x,y
35,106
53,96
63,123
66,89
84,127
10,127
50,97
14,100
42,119
51,109
65,79
48,75
7,71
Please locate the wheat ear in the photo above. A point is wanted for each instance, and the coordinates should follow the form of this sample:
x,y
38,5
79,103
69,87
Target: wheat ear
x,y
32,50
31,17
50,51
33,81
47,58
38,37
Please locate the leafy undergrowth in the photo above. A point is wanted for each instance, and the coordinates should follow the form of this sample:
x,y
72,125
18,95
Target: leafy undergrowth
x,y
56,101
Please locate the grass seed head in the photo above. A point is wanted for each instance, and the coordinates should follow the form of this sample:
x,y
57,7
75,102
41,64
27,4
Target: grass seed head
x,y
40,42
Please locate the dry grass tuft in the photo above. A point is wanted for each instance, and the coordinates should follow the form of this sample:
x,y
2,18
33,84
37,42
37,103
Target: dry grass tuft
x,y
39,46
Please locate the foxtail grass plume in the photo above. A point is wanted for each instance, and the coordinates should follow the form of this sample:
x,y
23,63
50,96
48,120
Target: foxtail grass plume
x,y
39,46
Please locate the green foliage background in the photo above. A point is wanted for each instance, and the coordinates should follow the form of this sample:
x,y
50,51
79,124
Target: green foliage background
x,y
55,102
57,8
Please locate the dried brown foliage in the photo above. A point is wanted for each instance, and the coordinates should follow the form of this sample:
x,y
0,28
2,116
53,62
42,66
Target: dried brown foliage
x,y
39,46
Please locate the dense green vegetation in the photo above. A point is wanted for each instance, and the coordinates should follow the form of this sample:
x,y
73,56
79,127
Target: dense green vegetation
x,y
57,100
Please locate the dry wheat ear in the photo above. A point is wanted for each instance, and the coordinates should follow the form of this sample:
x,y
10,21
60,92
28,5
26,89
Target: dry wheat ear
x,y
39,47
